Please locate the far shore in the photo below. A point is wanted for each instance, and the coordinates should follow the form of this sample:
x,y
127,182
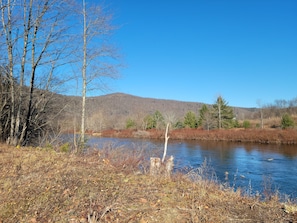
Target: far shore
x,y
262,136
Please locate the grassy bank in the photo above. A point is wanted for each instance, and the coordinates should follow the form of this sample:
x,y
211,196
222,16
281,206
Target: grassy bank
x,y
38,185
262,136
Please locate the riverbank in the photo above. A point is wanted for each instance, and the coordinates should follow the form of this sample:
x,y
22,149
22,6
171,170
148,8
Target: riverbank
x,y
39,185
263,136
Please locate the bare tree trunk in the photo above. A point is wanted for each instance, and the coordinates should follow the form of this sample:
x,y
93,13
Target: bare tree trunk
x,y
96,25
220,116
27,24
84,79
166,142
262,119
35,59
261,113
74,134
7,28
157,167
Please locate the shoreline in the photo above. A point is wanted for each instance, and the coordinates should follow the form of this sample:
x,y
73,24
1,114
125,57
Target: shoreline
x,y
262,136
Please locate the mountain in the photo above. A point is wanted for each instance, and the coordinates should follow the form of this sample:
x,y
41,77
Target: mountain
x,y
113,110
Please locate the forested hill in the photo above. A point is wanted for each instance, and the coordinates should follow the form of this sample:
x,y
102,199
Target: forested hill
x,y
113,110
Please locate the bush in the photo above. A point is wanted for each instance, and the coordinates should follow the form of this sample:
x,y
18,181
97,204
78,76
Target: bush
x,y
130,124
65,147
179,125
235,123
190,120
287,122
246,124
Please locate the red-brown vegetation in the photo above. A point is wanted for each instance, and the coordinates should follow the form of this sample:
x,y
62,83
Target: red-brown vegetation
x,y
263,136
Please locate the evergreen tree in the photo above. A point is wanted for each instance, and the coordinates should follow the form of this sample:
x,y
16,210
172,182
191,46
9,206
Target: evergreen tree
x,y
154,121
179,125
223,114
190,120
287,121
158,119
149,122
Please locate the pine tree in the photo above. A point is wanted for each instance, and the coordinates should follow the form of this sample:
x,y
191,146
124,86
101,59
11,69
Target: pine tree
x,y
190,120
223,114
287,121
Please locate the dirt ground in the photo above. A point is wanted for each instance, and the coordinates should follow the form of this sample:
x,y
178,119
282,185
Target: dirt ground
x,y
45,185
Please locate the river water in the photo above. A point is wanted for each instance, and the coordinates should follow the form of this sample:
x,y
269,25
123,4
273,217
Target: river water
x,y
252,167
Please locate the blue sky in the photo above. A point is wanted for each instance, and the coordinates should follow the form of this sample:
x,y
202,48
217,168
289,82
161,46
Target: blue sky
x,y
196,50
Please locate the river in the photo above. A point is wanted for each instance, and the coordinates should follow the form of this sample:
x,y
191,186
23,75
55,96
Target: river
x,y
252,167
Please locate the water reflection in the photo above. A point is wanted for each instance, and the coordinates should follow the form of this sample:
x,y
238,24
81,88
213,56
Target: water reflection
x,y
247,164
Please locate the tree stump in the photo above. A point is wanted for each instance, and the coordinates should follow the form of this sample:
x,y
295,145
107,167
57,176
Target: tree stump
x,y
155,166
169,167
162,168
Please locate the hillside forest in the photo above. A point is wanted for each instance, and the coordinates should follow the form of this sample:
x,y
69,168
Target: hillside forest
x,y
123,111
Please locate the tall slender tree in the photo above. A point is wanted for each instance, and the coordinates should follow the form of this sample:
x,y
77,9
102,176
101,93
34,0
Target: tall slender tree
x,y
84,73
97,54
261,110
223,114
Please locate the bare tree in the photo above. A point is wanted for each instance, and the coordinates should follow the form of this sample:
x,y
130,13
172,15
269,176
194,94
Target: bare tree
x,y
293,106
259,103
95,121
97,54
170,117
33,38
206,117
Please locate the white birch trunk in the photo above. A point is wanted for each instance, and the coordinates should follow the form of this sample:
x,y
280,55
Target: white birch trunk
x,y
84,77
166,142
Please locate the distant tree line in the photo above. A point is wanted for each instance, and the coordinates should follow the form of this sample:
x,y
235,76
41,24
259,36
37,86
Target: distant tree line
x,y
219,116
285,110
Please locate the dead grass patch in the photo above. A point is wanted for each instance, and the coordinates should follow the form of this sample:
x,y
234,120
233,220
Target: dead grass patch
x,y
45,186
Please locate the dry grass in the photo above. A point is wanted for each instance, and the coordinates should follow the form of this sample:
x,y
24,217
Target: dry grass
x,y
263,136
38,185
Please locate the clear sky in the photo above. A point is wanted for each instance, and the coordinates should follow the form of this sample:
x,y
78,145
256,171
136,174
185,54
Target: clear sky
x,y
196,50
